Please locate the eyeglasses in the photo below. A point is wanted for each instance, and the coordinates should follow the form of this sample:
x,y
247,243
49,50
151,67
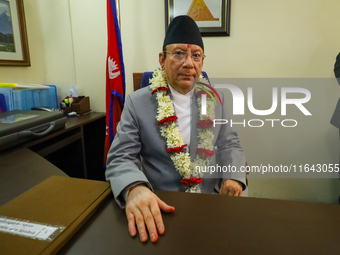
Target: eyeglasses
x,y
182,55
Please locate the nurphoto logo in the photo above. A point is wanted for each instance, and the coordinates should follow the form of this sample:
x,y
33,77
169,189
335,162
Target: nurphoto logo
x,y
239,104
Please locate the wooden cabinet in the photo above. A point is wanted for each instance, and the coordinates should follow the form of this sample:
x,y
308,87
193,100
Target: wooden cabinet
x,y
78,149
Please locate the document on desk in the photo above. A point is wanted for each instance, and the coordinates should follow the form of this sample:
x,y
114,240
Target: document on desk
x,y
42,219
29,229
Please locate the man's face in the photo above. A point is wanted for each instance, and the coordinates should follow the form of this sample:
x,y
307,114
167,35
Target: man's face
x,y
179,71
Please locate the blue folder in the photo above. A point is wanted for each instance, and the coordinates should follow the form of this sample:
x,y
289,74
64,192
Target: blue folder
x,y
3,107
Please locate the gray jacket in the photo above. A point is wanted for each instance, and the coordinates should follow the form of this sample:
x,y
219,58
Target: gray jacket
x,y
139,154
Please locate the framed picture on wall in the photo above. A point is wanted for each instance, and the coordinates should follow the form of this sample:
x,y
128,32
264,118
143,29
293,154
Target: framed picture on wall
x,y
13,36
212,16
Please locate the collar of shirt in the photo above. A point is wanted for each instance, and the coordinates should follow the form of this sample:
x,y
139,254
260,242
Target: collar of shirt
x,y
181,99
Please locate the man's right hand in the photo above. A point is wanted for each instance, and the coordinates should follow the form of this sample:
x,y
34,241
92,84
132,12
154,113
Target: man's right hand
x,y
143,209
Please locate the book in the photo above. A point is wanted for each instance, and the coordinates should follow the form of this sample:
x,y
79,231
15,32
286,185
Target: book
x,y
8,93
42,219
3,107
52,98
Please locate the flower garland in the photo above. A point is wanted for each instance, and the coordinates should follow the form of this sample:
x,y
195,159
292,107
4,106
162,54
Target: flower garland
x,y
192,177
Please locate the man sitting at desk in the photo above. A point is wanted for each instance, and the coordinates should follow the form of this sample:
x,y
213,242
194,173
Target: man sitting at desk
x,y
152,145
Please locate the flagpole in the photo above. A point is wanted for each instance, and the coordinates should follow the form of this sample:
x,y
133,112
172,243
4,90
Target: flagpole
x,y
118,13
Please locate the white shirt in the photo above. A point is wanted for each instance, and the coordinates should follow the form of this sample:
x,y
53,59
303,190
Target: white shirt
x,y
182,104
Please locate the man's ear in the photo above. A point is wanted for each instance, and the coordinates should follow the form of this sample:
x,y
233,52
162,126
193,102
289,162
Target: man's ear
x,y
162,60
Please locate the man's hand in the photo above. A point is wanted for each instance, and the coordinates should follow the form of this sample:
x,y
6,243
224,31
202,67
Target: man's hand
x,y
143,208
231,188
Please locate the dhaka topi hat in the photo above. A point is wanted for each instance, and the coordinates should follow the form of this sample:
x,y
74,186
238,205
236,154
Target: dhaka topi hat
x,y
183,29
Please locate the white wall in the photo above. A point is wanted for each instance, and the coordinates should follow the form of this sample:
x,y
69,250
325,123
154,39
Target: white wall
x,y
89,34
50,47
269,38
292,38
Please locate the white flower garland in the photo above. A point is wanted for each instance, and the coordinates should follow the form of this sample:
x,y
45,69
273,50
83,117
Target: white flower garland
x,y
171,132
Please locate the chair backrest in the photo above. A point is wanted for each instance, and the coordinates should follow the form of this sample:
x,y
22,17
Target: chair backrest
x,y
148,75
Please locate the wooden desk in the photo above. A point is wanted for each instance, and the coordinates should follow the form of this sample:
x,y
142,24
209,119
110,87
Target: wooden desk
x,y
201,224
213,224
77,149
20,170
